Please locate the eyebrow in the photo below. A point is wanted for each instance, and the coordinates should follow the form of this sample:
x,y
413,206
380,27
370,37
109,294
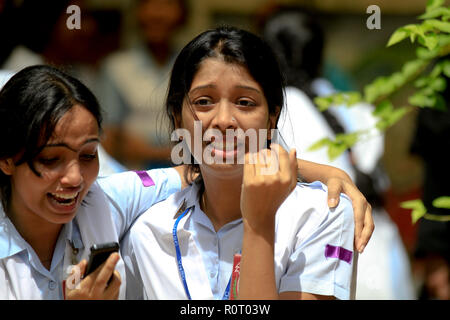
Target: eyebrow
x,y
207,86
63,144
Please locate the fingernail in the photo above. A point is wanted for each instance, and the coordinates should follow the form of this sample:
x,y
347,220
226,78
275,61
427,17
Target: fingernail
x,y
361,248
332,202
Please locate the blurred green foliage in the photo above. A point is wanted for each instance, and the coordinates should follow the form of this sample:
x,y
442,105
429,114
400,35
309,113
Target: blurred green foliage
x,y
427,71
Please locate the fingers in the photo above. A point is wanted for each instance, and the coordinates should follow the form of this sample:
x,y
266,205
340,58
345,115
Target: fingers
x,y
112,291
334,189
367,231
73,280
82,265
362,210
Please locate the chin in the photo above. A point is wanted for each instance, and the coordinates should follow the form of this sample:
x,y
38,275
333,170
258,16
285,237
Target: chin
x,y
222,170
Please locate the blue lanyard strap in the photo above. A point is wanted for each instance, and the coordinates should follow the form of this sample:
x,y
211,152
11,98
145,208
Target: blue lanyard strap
x,y
226,295
177,250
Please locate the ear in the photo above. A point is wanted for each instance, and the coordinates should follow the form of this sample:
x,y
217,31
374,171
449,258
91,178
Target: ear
x,y
7,166
273,119
176,120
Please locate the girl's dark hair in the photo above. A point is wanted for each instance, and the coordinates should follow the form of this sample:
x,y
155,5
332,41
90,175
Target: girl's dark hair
x,y
235,46
297,40
31,104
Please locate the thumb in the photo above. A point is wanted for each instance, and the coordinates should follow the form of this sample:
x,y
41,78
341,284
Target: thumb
x,y
76,275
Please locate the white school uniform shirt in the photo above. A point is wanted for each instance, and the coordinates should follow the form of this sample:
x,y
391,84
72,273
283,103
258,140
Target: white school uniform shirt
x,y
111,206
301,125
305,229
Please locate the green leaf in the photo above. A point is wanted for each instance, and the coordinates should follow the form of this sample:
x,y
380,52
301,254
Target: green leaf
x,y
383,109
353,98
439,25
417,207
424,53
320,144
419,99
444,40
435,13
349,139
323,102
398,36
433,4
422,82
446,68
412,67
439,103
442,202
437,70
396,115
387,114
437,217
430,41
438,84
335,150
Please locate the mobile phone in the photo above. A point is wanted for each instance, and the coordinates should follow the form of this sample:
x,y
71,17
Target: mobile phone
x,y
99,254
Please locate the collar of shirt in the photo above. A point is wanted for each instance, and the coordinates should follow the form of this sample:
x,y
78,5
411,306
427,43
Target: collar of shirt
x,y
11,242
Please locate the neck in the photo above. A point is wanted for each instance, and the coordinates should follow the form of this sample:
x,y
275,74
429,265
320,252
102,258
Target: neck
x,y
221,198
38,233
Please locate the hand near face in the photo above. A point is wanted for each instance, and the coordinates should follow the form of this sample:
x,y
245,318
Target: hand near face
x,y
269,177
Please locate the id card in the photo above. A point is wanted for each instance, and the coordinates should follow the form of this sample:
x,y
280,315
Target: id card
x,y
235,276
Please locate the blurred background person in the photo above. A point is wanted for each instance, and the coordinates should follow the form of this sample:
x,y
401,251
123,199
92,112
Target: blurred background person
x,y
134,83
384,270
432,250
36,32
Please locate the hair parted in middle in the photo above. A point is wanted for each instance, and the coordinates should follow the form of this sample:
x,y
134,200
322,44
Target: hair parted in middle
x,y
234,46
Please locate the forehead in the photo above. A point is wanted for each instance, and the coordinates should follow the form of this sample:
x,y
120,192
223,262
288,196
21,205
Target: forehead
x,y
215,69
75,126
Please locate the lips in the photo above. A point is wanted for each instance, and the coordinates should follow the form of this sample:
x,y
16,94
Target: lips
x,y
64,200
221,151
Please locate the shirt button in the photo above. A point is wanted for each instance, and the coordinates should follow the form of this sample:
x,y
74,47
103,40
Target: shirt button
x,y
52,285
212,275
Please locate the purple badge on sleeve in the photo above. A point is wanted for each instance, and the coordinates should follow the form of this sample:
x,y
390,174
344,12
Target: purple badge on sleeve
x,y
147,181
338,252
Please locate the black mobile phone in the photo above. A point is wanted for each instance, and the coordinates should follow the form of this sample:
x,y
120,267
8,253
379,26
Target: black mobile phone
x,y
99,254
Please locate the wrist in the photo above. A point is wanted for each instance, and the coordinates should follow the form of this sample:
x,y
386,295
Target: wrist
x,y
259,228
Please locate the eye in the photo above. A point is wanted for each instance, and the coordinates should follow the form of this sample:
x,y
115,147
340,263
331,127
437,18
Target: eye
x,y
246,103
48,161
203,102
88,157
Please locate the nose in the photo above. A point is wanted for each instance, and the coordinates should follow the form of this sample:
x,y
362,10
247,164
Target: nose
x,y
73,176
223,118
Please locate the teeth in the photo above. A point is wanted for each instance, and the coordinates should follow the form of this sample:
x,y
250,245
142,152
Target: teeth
x,y
65,196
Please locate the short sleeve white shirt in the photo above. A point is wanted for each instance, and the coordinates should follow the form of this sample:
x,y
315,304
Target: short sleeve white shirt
x,y
313,248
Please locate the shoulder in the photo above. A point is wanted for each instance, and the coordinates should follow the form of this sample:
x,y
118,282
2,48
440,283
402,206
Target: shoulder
x,y
297,101
155,177
307,206
162,214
